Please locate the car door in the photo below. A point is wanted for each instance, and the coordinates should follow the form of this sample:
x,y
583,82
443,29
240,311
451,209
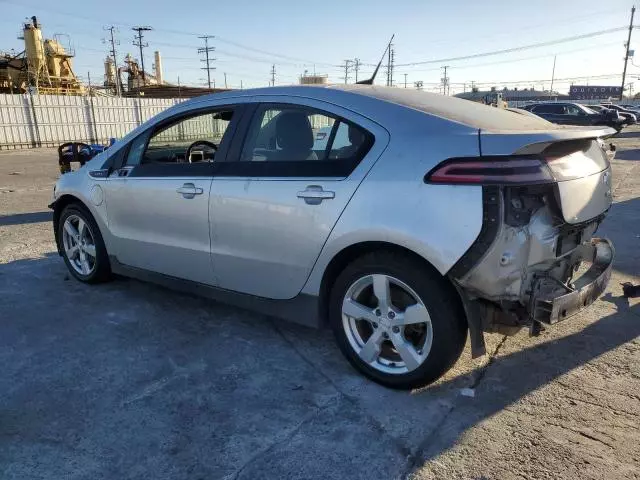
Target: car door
x,y
158,201
283,190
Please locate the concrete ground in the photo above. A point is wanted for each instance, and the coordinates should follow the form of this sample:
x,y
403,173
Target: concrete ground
x,y
129,380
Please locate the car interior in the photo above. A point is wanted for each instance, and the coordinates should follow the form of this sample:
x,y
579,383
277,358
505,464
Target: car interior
x,y
192,140
289,135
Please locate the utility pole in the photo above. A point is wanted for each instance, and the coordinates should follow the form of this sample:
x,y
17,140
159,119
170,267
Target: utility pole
x,y
225,79
626,56
390,62
137,41
207,59
273,75
553,72
405,80
347,67
114,42
356,67
445,81
241,87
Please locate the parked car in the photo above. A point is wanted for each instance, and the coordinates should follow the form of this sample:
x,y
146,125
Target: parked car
x,y
575,114
436,217
630,117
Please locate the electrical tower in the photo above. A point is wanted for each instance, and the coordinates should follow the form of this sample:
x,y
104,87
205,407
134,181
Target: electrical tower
x,y
445,81
111,29
347,67
137,41
356,67
273,75
390,63
207,59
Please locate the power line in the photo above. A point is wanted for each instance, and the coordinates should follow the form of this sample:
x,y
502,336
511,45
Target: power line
x,y
137,41
206,50
517,49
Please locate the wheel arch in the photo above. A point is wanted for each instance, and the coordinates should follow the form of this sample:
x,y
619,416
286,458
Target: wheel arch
x,y
58,206
348,254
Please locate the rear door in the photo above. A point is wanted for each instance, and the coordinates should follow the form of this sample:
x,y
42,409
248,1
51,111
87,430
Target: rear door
x,y
285,184
158,202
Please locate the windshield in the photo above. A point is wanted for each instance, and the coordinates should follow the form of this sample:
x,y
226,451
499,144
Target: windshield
x,y
586,109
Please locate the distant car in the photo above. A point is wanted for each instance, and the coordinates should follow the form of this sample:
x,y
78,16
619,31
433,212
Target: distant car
x,y
421,218
630,117
575,114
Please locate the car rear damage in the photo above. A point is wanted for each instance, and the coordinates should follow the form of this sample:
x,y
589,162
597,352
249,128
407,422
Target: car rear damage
x,y
542,205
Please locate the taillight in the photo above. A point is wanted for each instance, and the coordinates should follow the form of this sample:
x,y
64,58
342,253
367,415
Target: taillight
x,y
559,162
491,171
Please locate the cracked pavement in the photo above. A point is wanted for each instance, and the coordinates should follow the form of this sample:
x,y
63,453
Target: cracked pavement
x,y
129,380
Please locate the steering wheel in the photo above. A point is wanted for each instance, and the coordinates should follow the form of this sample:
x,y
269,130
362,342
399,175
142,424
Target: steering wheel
x,y
199,142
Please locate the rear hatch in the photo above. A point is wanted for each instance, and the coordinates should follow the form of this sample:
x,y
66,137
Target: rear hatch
x,y
575,160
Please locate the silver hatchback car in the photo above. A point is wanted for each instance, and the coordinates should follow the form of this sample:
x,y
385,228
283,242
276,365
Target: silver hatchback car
x,y
417,219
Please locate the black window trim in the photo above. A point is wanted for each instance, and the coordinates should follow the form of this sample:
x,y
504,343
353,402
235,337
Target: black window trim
x,y
203,169
233,166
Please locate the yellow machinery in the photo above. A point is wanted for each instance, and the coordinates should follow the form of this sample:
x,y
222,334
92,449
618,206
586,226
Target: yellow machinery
x,y
44,66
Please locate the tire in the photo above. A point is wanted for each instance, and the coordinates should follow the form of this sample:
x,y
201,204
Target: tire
x,y
447,320
100,269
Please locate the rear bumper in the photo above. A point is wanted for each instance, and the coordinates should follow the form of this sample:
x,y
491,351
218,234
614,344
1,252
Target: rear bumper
x,y
551,305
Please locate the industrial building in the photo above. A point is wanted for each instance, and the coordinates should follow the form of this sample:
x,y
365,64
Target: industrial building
x,y
44,66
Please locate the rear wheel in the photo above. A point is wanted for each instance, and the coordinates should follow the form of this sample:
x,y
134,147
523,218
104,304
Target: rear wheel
x,y
83,249
396,321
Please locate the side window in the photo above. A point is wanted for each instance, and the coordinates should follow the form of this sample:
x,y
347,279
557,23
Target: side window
x,y
193,139
301,134
572,110
135,151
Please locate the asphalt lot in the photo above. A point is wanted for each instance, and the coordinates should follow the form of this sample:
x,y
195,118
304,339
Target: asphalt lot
x,y
129,380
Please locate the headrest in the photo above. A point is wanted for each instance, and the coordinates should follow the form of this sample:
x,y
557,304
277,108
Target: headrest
x,y
293,131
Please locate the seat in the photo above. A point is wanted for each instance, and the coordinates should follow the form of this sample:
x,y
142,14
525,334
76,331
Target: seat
x,y
356,139
295,137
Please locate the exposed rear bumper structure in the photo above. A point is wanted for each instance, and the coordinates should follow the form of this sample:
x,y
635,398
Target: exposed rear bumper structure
x,y
551,304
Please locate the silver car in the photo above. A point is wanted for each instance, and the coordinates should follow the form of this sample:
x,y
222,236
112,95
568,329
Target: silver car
x,y
432,217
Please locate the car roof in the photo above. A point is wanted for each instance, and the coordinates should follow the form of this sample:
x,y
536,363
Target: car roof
x,y
368,97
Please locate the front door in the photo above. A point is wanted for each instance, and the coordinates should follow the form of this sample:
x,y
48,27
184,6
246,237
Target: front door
x,y
158,203
274,207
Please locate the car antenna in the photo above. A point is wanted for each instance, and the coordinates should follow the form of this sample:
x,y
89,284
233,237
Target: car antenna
x,y
369,81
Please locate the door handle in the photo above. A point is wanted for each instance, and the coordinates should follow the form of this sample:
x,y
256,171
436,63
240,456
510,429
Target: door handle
x,y
315,194
189,190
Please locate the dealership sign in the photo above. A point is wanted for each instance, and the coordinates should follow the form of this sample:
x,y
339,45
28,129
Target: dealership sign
x,y
593,91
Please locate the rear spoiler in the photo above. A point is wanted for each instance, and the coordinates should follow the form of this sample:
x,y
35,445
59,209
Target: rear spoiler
x,y
519,142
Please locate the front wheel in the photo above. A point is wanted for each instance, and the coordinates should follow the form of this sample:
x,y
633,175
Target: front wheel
x,y
82,245
396,321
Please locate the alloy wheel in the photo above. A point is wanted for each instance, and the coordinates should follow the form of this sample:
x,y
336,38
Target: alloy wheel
x,y
79,245
387,324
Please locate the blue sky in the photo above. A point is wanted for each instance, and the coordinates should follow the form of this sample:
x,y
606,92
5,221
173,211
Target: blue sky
x,y
296,36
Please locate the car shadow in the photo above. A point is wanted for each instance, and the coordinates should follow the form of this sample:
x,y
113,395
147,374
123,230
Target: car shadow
x,y
523,372
185,330
25,218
